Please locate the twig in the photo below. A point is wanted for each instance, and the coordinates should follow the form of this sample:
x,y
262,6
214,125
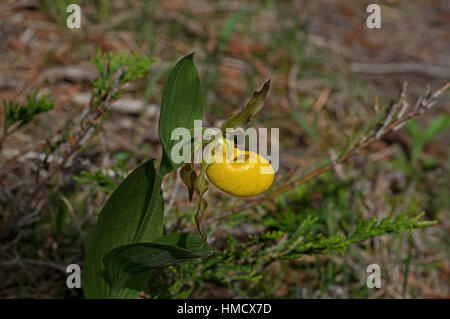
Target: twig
x,y
390,68
75,73
67,146
45,263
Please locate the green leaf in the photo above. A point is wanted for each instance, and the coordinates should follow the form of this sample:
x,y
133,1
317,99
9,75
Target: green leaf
x,y
253,106
124,262
119,221
181,104
134,212
227,29
414,131
438,125
298,117
422,138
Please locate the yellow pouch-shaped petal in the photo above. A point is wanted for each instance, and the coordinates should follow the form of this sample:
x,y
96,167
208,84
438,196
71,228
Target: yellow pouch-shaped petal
x,y
246,174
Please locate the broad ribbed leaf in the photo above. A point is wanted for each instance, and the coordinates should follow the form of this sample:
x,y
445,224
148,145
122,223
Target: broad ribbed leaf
x,y
127,261
134,212
181,103
117,225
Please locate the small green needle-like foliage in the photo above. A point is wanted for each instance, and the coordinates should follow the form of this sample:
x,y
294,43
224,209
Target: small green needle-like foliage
x,y
106,183
107,64
317,243
245,261
21,114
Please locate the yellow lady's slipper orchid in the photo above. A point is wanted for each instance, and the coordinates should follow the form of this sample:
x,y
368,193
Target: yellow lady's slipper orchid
x,y
244,173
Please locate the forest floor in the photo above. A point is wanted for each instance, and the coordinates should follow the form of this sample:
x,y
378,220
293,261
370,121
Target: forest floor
x,y
327,71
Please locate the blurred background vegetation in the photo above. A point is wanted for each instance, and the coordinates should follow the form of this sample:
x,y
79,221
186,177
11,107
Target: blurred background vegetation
x,y
327,70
